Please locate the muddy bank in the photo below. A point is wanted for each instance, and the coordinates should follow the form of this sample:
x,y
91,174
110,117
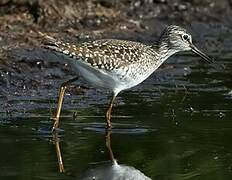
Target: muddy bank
x,y
29,72
73,20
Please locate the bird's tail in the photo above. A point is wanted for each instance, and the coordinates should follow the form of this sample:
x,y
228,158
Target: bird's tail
x,y
49,42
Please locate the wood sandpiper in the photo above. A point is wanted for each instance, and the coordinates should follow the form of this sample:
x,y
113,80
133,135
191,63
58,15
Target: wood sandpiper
x,y
117,65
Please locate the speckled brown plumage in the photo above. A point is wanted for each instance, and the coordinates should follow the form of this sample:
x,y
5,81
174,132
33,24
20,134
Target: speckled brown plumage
x,y
107,54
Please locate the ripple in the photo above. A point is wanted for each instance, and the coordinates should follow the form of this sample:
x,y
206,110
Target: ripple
x,y
118,128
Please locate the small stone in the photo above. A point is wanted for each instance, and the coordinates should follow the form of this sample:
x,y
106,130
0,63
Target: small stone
x,y
182,7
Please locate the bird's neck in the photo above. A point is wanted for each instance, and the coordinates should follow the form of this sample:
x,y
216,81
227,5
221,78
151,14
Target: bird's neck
x,y
165,50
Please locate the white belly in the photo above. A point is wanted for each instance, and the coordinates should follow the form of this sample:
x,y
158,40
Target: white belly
x,y
115,80
97,77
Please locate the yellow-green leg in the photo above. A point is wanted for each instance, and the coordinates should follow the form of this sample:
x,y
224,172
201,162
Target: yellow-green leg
x,y
63,87
109,111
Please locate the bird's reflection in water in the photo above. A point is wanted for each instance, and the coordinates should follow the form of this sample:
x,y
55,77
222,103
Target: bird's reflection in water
x,y
113,170
107,171
56,142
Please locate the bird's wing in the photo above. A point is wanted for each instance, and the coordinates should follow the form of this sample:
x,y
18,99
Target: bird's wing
x,y
107,54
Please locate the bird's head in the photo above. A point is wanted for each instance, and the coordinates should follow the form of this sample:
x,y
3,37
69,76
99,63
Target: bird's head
x,y
177,39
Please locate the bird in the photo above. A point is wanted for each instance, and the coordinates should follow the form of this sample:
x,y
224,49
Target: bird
x,y
117,65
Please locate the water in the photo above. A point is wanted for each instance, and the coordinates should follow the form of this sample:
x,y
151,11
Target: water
x,y
174,126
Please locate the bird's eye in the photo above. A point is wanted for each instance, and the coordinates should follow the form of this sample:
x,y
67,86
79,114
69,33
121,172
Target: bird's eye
x,y
185,37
